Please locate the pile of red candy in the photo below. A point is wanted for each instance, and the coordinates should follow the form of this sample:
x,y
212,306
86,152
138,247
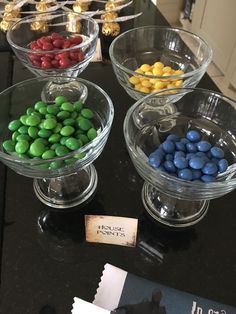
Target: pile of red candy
x,y
57,60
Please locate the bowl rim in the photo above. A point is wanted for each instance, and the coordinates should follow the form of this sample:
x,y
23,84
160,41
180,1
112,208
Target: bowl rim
x,y
32,162
155,171
55,13
169,28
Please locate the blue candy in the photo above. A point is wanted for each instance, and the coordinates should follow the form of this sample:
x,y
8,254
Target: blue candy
x,y
185,174
196,174
184,140
168,146
155,160
180,146
203,146
169,157
169,166
179,154
207,178
172,137
196,162
193,136
210,168
217,152
222,165
180,162
191,148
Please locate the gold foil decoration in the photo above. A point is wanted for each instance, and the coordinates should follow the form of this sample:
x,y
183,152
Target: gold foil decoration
x,y
111,29
73,25
9,15
39,26
108,16
110,5
79,7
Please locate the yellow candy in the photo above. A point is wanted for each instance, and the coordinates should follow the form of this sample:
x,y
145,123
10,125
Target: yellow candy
x,y
159,65
148,73
139,71
159,85
178,72
144,90
137,86
145,67
179,83
146,83
134,80
157,71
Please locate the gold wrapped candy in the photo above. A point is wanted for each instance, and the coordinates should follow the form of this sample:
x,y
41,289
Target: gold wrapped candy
x,y
109,16
73,25
9,15
39,26
111,29
79,6
110,5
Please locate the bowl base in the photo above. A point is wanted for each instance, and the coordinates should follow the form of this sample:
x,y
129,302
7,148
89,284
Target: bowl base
x,y
67,191
170,211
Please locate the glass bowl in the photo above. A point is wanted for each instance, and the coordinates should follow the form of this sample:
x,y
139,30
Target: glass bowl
x,y
168,199
184,55
68,179
55,43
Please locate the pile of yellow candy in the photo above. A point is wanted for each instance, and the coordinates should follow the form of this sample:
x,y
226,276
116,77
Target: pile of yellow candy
x,y
151,85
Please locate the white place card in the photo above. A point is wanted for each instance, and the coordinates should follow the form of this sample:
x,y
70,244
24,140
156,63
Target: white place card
x,y
111,230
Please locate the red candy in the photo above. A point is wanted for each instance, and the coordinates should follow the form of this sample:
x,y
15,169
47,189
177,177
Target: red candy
x,y
56,60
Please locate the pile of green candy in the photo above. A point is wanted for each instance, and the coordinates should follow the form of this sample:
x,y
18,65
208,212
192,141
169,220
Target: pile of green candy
x,y
53,130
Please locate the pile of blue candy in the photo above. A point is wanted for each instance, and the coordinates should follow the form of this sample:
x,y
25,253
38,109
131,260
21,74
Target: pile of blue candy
x,y
189,158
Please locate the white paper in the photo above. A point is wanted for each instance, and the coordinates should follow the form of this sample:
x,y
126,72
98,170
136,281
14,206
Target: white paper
x,y
106,297
82,307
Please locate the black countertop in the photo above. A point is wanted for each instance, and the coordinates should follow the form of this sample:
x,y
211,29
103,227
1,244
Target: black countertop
x,y
41,272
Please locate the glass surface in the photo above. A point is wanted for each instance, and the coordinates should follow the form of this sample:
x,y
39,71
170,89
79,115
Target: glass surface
x,y
43,269
175,48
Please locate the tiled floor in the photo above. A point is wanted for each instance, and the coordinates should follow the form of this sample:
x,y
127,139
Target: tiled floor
x,y
213,71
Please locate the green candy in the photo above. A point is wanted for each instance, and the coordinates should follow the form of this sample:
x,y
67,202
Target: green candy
x,y
44,133
57,128
14,135
32,120
67,106
23,137
43,110
53,109
62,115
54,146
9,146
92,134
30,110
69,121
78,105
87,113
22,146
83,138
59,100
33,132
72,143
74,115
49,124
61,150
67,130
23,119
80,155
39,104
41,140
37,149
48,154
56,164
23,129
84,124
14,125
63,140
54,138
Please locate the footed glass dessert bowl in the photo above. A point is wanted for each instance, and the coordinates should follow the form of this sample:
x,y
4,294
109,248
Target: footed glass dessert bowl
x,y
55,142
152,58
184,147
55,44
